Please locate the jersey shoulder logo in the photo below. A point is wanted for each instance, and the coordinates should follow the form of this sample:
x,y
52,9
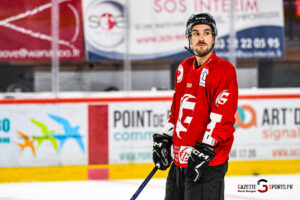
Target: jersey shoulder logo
x,y
222,97
180,74
203,75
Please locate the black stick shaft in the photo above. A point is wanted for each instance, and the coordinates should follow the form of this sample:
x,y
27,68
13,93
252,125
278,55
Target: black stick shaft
x,y
139,190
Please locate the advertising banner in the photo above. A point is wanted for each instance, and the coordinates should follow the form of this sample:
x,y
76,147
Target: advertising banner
x,y
267,130
157,28
43,135
120,132
25,29
131,126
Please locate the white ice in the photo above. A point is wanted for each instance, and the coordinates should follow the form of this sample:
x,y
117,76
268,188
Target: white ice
x,y
124,189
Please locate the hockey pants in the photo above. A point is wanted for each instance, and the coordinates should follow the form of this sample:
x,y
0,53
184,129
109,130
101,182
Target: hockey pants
x,y
210,186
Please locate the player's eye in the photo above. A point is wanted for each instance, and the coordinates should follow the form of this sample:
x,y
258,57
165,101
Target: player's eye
x,y
195,33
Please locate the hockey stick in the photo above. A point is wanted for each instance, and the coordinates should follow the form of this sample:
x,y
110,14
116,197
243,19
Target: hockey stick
x,y
139,190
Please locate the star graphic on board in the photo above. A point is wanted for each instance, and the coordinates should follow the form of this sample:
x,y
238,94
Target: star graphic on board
x,y
27,143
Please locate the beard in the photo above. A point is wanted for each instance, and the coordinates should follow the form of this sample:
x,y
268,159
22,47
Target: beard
x,y
202,53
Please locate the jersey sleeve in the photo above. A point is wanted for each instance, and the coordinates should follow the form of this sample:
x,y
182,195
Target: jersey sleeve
x,y
169,127
172,110
223,104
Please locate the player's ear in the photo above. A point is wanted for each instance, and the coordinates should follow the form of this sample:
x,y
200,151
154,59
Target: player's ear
x,y
214,40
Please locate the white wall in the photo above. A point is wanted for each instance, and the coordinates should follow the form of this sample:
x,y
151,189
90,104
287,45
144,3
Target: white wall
x,y
101,80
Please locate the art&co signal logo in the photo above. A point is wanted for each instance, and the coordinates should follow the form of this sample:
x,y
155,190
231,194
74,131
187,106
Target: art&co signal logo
x,y
245,117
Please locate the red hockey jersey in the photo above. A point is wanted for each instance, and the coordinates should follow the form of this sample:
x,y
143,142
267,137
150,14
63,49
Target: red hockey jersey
x,y
203,108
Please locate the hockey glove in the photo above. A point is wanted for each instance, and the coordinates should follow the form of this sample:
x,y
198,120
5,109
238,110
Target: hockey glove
x,y
198,160
162,151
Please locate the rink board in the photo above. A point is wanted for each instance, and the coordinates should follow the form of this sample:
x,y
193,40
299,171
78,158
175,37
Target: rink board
x,y
34,135
136,171
113,136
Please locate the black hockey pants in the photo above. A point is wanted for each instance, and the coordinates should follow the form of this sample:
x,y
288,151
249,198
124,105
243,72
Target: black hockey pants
x,y
210,186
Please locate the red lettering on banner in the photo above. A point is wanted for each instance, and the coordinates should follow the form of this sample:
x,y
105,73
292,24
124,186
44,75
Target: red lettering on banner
x,y
160,39
278,134
216,4
286,152
252,6
203,5
182,5
224,5
158,7
170,6
180,36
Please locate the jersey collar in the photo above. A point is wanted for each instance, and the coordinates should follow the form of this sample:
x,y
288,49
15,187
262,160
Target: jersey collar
x,y
208,64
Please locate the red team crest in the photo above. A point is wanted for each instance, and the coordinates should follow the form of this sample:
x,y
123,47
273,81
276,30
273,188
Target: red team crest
x,y
184,154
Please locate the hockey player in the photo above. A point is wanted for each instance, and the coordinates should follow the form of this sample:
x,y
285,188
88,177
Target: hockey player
x,y
201,123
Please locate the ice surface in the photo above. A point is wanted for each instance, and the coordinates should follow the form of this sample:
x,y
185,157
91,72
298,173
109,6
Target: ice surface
x,y
124,189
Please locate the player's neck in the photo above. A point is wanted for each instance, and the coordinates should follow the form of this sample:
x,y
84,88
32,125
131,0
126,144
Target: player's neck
x,y
203,59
